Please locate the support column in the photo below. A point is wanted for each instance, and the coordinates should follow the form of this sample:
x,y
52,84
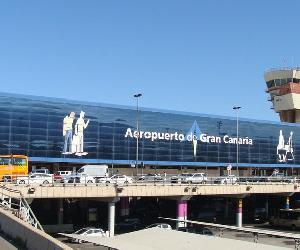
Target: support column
x,y
239,213
124,206
226,210
111,218
60,219
181,213
267,207
287,202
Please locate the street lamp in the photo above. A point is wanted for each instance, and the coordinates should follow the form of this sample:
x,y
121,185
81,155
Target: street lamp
x,y
219,124
138,130
236,108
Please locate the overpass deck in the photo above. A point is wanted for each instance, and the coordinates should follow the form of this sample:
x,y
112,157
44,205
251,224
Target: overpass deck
x,y
147,190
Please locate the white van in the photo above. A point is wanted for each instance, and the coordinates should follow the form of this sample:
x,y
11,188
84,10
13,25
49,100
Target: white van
x,y
64,173
94,170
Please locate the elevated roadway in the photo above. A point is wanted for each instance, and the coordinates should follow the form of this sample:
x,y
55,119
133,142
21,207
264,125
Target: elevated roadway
x,y
148,190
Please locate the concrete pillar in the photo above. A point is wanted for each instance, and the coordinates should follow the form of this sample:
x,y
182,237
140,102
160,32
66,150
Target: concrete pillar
x,y
267,207
287,202
226,210
181,213
239,213
124,206
60,219
111,218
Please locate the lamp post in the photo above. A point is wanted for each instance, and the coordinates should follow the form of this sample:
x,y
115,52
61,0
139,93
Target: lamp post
x,y
219,124
236,108
138,131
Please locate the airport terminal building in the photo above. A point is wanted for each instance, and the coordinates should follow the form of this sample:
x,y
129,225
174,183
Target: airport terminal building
x,y
59,131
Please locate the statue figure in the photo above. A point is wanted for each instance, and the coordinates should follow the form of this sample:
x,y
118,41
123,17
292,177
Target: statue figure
x,y
285,152
68,132
280,147
80,126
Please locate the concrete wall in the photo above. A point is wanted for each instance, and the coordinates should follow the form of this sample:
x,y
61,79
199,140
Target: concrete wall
x,y
33,238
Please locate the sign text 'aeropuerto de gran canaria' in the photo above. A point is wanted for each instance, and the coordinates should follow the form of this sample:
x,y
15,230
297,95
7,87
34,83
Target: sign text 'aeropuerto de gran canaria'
x,y
154,135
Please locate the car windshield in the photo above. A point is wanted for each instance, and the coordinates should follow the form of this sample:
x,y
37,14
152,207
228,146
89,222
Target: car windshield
x,y
80,231
40,171
153,225
186,175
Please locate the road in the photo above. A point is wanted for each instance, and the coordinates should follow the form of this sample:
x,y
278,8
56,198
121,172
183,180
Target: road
x,y
83,246
262,239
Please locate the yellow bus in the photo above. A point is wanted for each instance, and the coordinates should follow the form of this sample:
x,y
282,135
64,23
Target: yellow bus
x,y
13,165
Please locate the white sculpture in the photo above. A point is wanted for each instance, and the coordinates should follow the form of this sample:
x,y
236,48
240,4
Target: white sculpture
x,y
285,151
68,133
78,139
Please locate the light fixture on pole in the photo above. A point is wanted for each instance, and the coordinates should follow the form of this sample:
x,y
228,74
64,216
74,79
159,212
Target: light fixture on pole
x,y
236,108
138,131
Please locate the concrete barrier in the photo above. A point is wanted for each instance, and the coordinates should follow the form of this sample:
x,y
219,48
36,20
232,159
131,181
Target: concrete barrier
x,y
59,228
151,190
33,238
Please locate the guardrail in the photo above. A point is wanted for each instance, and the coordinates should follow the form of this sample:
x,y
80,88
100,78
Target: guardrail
x,y
18,206
254,231
50,179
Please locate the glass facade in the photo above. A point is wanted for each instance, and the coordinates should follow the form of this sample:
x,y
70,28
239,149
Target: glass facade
x,y
34,126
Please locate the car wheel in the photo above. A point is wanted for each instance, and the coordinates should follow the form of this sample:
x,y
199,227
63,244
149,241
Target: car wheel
x,y
126,182
46,182
90,181
21,182
107,182
6,178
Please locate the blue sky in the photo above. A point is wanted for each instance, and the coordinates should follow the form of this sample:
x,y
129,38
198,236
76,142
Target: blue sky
x,y
199,56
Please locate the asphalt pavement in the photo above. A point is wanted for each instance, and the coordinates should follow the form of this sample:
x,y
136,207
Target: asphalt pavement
x,y
262,239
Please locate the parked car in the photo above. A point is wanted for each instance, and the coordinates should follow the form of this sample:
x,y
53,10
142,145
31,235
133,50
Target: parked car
x,y
88,232
150,177
116,179
208,216
40,171
64,173
196,230
57,177
160,225
60,176
36,178
129,224
194,178
79,178
189,178
260,215
226,179
279,177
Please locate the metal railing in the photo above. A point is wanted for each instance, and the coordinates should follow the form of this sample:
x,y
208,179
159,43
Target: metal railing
x,y
14,201
281,68
51,180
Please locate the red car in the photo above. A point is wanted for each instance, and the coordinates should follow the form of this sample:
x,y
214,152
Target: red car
x,y
57,177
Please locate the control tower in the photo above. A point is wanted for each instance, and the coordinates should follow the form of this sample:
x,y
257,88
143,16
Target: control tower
x,y
283,85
